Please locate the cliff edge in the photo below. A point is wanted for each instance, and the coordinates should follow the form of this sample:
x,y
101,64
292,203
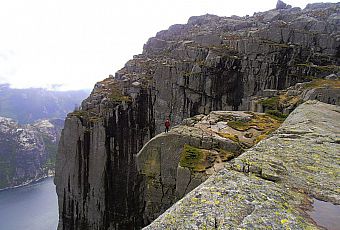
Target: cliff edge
x,y
176,162
273,184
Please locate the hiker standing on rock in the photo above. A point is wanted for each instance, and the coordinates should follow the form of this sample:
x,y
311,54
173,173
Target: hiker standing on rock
x,y
167,125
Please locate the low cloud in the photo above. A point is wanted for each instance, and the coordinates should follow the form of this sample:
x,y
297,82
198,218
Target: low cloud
x,y
7,65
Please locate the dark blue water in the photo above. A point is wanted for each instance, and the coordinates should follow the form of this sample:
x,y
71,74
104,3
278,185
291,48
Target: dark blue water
x,y
33,207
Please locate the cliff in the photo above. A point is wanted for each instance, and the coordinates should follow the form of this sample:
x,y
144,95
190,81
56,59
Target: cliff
x,y
27,152
209,64
176,162
275,183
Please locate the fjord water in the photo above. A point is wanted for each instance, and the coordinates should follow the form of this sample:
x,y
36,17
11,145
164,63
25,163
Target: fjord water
x,y
32,207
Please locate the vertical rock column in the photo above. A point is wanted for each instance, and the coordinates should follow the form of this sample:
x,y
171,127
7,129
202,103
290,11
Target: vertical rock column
x,y
96,177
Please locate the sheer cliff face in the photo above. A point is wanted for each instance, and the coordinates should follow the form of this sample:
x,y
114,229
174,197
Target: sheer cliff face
x,y
211,63
98,185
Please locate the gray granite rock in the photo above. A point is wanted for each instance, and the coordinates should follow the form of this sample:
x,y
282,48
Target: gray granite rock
x,y
281,5
176,162
272,184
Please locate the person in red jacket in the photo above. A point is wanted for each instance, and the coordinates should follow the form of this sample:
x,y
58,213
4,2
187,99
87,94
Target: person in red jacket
x,y
167,125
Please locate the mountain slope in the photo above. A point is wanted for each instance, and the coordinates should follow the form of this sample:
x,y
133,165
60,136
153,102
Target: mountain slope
x,y
29,105
27,152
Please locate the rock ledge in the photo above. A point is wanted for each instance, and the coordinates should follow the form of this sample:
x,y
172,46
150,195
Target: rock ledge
x,y
271,185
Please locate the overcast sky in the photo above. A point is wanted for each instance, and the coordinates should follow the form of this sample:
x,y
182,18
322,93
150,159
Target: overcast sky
x,y
75,43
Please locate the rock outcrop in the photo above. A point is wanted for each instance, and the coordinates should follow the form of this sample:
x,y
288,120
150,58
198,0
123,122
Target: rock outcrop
x,y
209,64
274,183
28,152
281,5
281,102
176,162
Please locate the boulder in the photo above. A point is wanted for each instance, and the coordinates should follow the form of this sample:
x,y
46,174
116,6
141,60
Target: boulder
x,y
281,5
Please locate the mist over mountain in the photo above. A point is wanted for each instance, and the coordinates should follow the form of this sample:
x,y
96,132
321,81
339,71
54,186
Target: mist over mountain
x,y
29,105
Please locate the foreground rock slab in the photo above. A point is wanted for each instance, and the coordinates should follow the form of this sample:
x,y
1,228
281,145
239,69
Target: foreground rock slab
x,y
272,185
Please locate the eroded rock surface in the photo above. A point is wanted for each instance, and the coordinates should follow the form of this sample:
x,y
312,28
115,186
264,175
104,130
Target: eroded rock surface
x,y
272,184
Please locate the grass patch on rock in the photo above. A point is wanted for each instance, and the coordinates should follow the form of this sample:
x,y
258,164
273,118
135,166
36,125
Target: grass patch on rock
x,y
116,95
194,158
240,125
226,155
259,122
276,115
265,123
274,106
319,83
270,103
232,137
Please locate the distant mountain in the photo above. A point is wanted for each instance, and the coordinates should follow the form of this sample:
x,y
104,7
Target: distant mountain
x,y
27,152
29,105
31,121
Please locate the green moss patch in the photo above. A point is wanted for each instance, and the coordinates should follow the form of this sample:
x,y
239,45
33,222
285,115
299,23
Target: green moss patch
x,y
240,125
226,155
87,116
265,123
116,94
258,122
276,115
113,91
318,83
270,103
229,136
194,158
274,106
